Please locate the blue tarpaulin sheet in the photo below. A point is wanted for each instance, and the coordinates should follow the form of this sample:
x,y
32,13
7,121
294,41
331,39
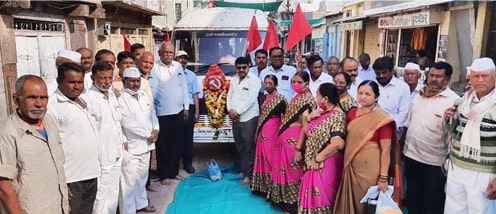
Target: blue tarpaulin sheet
x,y
198,195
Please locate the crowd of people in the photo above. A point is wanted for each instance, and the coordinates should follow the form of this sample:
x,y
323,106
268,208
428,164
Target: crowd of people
x,y
83,143
328,131
310,139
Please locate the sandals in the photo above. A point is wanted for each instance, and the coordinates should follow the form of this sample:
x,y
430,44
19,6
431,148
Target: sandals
x,y
149,209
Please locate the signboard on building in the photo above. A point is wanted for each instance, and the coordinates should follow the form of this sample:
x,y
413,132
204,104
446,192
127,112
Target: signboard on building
x,y
352,25
406,21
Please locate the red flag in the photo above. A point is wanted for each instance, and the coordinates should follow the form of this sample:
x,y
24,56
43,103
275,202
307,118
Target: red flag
x,y
300,28
127,44
253,39
271,39
167,38
211,3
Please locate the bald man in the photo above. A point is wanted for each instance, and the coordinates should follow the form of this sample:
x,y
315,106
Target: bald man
x,y
145,64
170,91
86,63
350,66
32,177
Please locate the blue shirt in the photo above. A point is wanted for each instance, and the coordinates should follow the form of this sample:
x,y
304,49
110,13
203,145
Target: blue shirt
x,y
193,86
169,88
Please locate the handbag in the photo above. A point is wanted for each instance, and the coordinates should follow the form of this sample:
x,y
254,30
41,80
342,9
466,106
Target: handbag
x,y
214,171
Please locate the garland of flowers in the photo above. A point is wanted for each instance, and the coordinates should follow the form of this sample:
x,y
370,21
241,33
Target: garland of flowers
x,y
215,87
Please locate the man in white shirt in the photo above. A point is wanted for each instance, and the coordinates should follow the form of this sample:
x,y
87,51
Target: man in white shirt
x,y
124,61
349,65
170,92
365,72
317,77
86,63
395,93
412,75
284,73
426,147
260,63
78,135
242,105
63,56
140,126
104,106
145,64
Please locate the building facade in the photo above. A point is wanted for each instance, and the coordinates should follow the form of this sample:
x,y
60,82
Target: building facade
x,y
32,32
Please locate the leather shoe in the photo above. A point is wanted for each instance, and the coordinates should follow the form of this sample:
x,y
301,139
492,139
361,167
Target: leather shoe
x,y
189,169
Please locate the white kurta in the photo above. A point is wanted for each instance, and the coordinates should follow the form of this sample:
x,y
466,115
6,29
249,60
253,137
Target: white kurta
x,y
139,119
107,112
465,191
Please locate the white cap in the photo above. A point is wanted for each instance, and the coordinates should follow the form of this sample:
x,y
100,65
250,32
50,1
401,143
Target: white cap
x,y
412,66
131,72
482,65
181,53
70,55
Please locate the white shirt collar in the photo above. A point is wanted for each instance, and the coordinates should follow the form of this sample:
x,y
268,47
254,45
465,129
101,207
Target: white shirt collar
x,y
392,83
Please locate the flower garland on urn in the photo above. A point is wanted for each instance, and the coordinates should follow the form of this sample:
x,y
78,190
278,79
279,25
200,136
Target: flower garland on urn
x,y
215,87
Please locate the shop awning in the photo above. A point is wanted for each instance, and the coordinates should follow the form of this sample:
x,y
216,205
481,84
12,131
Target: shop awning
x,y
266,5
405,6
350,19
221,19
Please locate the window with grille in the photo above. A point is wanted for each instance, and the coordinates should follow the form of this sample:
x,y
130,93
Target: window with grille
x,y
37,25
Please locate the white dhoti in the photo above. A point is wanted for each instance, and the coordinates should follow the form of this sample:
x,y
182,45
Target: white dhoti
x,y
107,195
133,182
466,191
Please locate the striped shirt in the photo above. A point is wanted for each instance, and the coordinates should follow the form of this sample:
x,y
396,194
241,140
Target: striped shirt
x,y
487,141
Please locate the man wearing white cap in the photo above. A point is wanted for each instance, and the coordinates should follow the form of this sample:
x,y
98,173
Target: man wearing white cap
x,y
425,147
63,56
140,126
471,184
194,112
412,76
78,136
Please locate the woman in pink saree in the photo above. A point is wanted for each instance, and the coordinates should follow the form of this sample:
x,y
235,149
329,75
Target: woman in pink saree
x,y
322,141
269,121
287,166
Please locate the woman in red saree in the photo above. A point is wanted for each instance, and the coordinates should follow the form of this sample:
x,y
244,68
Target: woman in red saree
x,y
268,125
367,153
323,140
287,167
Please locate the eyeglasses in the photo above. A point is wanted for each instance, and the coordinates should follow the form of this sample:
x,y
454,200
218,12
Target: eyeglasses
x,y
241,67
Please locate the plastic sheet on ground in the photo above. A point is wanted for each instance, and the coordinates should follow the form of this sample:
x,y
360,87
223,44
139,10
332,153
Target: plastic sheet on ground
x,y
197,194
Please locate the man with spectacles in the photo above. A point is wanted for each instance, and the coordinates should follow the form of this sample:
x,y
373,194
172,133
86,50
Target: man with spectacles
x,y
242,106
